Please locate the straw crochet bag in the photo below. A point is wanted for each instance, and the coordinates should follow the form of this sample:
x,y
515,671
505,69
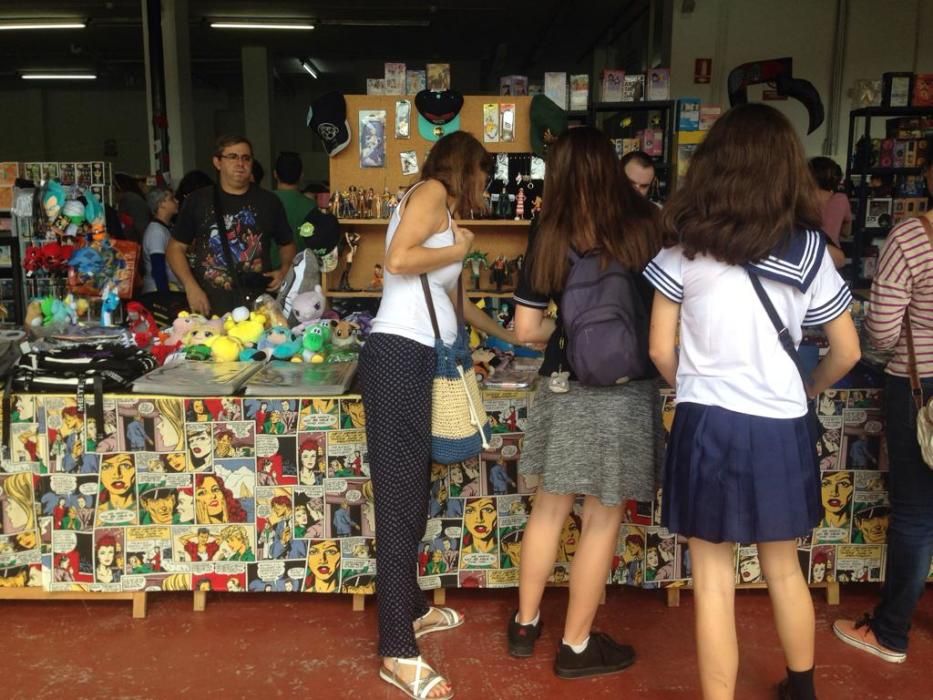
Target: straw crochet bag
x,y
459,425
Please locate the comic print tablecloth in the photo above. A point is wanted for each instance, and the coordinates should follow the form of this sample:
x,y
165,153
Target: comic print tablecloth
x,y
247,494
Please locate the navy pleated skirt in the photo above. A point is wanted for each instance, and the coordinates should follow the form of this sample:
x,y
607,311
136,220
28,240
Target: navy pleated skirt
x,y
732,477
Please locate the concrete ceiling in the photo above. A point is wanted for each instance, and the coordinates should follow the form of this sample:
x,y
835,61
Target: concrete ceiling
x,y
502,37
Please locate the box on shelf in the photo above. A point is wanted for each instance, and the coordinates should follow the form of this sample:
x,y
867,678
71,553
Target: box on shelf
x,y
415,81
8,174
611,86
708,116
652,142
923,90
555,87
579,92
895,89
513,85
658,84
375,86
438,76
633,87
907,207
688,114
878,214
394,78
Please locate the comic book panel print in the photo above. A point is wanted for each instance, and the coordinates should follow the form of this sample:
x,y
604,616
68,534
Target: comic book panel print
x,y
223,495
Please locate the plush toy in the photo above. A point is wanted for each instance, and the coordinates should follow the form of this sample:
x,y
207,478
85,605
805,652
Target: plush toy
x,y
53,199
140,322
54,312
73,211
110,302
344,334
308,308
224,348
94,212
272,338
200,334
186,322
33,314
248,330
312,344
559,382
482,363
87,261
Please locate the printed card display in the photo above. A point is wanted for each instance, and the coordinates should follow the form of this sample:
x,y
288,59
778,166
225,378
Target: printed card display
x,y
372,132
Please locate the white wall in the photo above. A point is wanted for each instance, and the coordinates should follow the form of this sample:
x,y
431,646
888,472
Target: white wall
x,y
880,37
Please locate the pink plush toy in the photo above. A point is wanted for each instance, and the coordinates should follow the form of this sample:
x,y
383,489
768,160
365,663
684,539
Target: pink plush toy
x,y
187,322
308,307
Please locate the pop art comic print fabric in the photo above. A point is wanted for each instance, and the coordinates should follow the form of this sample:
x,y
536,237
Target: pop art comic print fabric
x,y
263,495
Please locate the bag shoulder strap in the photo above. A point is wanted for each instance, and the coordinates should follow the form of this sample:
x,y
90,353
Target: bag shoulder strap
x,y
916,389
224,243
783,333
426,288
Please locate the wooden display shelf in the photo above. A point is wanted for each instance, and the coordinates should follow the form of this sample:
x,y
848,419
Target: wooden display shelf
x,y
138,598
460,222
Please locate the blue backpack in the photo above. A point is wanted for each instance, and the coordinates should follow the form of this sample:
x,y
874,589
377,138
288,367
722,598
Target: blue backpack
x,y
605,322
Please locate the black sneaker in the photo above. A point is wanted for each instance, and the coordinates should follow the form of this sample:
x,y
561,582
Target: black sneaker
x,y
522,638
601,656
784,691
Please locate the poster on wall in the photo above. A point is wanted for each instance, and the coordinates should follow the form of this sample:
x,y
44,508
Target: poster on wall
x,y
402,119
491,122
372,138
409,162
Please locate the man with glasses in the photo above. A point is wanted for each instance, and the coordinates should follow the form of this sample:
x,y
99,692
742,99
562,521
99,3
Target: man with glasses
x,y
220,247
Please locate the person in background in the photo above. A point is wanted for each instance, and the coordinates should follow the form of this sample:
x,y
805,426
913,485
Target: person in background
x,y
902,289
131,207
287,175
158,279
834,205
257,174
639,169
191,182
741,462
252,218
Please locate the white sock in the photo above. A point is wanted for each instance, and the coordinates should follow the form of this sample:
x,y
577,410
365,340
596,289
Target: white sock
x,y
532,623
578,648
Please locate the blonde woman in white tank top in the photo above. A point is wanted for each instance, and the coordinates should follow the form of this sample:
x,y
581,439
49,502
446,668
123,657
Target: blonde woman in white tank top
x,y
396,371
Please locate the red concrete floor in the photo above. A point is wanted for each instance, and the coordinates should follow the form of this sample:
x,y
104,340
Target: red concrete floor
x,y
296,646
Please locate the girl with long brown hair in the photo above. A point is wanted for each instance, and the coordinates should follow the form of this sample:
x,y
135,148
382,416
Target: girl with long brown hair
x,y
596,441
741,460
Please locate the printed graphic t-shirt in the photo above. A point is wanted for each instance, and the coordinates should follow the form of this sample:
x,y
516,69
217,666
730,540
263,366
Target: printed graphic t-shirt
x,y
253,221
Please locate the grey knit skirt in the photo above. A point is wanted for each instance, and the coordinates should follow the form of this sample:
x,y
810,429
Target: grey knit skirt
x,y
596,441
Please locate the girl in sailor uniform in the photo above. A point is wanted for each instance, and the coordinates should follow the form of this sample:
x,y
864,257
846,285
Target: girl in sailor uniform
x,y
741,463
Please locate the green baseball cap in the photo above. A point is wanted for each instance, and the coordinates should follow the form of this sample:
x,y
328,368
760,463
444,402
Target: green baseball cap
x,y
545,116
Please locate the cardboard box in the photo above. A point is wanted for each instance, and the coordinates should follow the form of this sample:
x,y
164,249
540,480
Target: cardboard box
x,y
579,92
633,87
415,81
923,90
394,78
8,173
652,142
513,85
375,86
611,85
708,116
895,89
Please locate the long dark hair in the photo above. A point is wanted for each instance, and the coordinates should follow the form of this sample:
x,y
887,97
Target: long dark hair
x,y
747,189
588,204
460,163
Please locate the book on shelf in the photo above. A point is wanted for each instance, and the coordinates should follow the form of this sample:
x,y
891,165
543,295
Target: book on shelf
x,y
555,87
611,85
658,84
579,92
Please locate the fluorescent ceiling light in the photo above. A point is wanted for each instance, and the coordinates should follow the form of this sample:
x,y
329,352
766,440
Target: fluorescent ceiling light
x,y
59,76
300,26
311,68
6,26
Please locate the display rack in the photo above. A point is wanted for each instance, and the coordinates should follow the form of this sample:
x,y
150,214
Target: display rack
x,y
859,171
11,280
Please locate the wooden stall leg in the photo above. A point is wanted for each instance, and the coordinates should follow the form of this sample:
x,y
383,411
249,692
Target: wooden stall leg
x,y
359,602
440,596
200,601
832,593
139,605
673,597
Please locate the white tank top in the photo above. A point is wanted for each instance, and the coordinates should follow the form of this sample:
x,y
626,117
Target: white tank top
x,y
404,310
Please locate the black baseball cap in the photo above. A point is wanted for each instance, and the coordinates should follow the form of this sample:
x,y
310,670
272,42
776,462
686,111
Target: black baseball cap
x,y
321,233
438,113
327,115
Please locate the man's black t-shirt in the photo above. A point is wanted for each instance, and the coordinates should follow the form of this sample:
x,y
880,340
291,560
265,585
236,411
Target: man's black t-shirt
x,y
252,220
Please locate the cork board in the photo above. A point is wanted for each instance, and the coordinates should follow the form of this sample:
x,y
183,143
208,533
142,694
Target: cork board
x,y
345,170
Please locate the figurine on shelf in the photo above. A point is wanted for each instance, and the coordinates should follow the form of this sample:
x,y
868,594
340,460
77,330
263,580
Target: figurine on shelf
x,y
384,200
110,301
520,204
476,259
353,242
536,207
504,209
498,272
376,283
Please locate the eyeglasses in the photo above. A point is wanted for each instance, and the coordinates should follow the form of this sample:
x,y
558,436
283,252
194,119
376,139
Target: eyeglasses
x,y
233,157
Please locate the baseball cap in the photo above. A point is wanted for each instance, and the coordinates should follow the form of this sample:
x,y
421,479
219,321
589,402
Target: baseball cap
x,y
321,232
327,115
545,116
438,113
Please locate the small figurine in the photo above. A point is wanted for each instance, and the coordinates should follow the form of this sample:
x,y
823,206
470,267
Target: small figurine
x,y
504,209
476,260
497,272
376,282
110,302
559,382
520,204
353,242
536,207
